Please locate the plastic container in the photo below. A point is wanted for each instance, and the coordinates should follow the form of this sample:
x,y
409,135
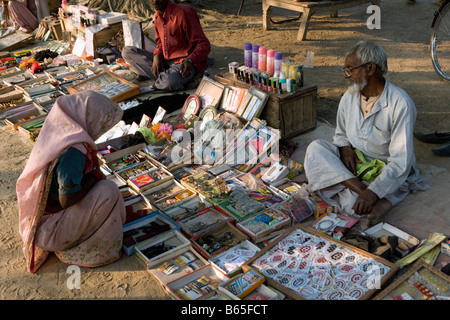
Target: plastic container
x,y
292,72
278,59
282,81
262,58
255,50
270,67
299,76
248,55
285,64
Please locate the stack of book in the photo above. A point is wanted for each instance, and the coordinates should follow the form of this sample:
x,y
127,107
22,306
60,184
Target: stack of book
x,y
246,103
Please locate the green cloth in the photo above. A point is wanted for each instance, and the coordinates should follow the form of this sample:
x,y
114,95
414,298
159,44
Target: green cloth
x,y
368,171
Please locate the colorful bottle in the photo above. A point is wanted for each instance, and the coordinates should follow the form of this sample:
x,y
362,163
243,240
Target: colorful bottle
x,y
270,66
278,61
299,76
255,50
248,55
285,64
262,58
282,80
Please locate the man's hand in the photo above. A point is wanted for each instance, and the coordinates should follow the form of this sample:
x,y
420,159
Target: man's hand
x,y
186,68
158,65
365,202
349,158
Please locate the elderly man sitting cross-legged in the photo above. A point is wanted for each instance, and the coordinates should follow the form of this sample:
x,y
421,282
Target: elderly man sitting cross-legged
x,y
370,165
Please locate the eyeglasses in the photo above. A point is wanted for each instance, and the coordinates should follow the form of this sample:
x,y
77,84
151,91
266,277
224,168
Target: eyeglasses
x,y
348,72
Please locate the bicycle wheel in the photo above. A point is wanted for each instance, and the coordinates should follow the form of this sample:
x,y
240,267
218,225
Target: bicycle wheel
x,y
440,43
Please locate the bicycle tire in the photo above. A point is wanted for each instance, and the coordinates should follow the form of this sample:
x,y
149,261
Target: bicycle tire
x,y
440,42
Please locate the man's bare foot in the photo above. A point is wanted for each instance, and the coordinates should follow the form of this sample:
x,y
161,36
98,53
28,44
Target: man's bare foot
x,y
381,208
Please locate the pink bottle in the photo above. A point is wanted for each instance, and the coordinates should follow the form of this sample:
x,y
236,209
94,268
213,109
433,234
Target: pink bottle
x,y
262,58
270,61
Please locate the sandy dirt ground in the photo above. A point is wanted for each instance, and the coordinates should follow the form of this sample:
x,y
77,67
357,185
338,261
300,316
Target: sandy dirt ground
x,y
404,33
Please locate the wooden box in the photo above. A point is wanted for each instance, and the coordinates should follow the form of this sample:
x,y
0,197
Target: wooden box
x,y
108,84
306,264
100,38
421,282
291,113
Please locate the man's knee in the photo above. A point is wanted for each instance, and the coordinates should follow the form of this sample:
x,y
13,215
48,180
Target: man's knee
x,y
128,51
171,81
318,146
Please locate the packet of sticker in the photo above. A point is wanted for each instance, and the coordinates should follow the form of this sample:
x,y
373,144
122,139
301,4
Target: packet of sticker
x,y
299,207
168,267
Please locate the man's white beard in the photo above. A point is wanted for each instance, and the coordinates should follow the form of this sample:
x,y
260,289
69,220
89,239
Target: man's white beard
x,y
357,87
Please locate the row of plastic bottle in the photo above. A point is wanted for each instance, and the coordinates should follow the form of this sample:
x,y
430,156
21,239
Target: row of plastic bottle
x,y
259,58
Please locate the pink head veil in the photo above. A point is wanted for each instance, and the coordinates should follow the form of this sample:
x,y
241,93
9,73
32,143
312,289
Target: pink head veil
x,y
77,118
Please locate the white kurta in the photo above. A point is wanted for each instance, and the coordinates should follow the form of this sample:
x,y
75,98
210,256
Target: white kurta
x,y
386,134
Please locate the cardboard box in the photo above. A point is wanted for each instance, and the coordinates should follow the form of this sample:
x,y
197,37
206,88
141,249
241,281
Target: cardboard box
x,y
129,195
154,219
212,194
48,99
112,17
230,261
217,295
37,86
291,113
309,254
19,77
30,130
421,282
242,284
31,114
160,267
264,223
160,247
118,145
201,222
235,236
188,208
174,195
385,229
209,92
206,281
137,205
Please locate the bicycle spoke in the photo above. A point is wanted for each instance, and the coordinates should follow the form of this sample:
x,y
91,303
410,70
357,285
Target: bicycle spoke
x,y
440,44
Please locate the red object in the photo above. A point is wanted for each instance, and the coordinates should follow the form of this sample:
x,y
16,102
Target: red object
x,y
173,43
7,59
36,67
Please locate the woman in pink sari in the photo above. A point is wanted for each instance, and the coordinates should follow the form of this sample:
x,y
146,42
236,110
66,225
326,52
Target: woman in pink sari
x,y
65,204
25,14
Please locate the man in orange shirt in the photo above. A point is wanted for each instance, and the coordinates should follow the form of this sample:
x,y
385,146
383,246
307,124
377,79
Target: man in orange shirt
x,y
181,52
